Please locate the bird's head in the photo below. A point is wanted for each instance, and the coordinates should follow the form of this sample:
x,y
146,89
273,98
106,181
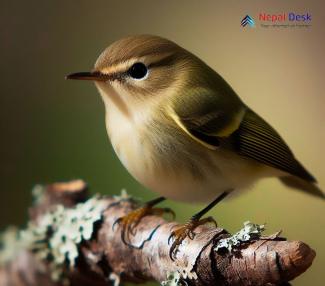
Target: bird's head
x,y
140,69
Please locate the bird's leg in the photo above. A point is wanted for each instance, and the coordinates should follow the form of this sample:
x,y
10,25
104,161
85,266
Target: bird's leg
x,y
187,230
130,221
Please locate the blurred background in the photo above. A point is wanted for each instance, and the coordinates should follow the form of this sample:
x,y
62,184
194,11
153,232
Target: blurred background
x,y
53,130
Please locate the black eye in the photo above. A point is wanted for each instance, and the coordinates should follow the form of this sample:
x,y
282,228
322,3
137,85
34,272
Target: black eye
x,y
138,71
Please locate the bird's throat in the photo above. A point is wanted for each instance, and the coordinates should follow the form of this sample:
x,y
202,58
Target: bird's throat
x,y
111,96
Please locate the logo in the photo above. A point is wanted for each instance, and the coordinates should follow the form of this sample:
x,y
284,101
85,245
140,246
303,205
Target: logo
x,y
278,20
283,17
248,20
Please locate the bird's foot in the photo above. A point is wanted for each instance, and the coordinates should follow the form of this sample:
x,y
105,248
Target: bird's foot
x,y
129,222
186,230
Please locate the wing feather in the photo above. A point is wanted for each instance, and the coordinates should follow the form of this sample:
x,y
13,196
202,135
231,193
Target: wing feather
x,y
216,123
256,139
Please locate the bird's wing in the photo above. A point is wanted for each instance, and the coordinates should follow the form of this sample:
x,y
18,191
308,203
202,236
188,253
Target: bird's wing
x,y
241,130
207,117
256,139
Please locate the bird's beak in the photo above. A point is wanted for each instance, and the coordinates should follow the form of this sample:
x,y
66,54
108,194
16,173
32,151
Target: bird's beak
x,y
94,76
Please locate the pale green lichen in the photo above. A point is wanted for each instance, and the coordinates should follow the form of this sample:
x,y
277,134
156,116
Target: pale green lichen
x,y
10,245
37,193
248,232
56,236
173,279
124,196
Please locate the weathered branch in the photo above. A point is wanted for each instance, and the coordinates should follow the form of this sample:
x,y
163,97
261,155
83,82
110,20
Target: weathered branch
x,y
104,258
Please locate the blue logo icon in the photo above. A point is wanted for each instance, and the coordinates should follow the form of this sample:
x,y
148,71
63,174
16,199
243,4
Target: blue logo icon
x,y
248,20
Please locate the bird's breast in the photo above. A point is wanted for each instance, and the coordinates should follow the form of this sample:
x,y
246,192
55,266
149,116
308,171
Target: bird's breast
x,y
166,160
159,158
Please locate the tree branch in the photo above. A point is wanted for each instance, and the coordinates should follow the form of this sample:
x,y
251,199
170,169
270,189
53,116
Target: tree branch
x,y
103,259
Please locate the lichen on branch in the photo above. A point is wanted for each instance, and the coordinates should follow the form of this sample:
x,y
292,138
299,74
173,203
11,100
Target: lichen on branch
x,y
70,240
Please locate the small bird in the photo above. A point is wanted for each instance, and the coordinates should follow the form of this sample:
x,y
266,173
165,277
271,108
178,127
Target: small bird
x,y
180,129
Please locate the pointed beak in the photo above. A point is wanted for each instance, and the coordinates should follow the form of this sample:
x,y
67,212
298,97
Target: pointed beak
x,y
94,76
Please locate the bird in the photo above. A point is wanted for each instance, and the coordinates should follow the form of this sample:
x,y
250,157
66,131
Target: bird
x,y
181,131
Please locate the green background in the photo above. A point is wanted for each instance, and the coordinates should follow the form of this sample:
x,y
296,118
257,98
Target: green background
x,y
53,130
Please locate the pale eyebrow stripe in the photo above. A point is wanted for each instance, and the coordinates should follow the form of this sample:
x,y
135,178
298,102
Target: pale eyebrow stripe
x,y
117,68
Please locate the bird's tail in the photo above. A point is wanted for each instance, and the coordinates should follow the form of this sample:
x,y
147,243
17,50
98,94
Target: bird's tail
x,y
302,185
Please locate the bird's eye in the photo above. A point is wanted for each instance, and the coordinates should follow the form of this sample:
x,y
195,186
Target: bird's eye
x,y
138,71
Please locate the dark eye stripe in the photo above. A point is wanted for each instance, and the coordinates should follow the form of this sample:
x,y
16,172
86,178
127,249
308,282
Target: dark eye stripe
x,y
166,61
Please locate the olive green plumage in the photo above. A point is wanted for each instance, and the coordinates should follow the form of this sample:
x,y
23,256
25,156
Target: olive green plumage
x,y
180,129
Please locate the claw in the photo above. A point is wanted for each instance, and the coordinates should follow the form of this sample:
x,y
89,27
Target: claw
x,y
130,221
187,230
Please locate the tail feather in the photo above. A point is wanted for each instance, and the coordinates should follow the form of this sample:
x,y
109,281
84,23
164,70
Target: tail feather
x,y
303,185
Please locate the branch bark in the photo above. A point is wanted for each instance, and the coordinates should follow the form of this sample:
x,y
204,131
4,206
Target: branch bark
x,y
104,258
